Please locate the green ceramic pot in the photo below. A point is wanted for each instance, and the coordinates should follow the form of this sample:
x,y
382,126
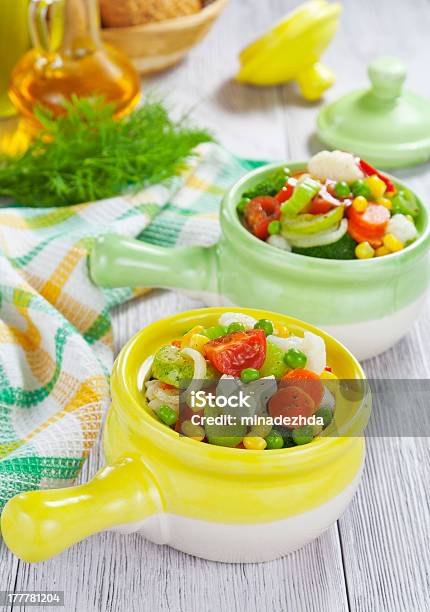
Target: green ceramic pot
x,y
366,304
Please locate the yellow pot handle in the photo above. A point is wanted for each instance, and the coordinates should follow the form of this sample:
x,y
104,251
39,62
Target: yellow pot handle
x,y
40,524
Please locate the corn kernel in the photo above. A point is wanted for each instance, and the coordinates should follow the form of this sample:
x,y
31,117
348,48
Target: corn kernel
x,y
282,330
360,203
185,342
254,443
382,251
195,432
326,375
392,243
385,202
364,251
376,186
197,342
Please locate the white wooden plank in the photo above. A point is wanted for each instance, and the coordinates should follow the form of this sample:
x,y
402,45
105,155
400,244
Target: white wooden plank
x,y
8,571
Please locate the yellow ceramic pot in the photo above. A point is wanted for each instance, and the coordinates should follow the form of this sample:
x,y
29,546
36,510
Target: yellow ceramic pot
x,y
223,504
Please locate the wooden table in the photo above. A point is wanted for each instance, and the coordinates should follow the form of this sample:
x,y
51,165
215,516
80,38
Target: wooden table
x,y
377,556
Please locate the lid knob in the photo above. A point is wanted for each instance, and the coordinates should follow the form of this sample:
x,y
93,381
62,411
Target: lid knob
x,y
387,76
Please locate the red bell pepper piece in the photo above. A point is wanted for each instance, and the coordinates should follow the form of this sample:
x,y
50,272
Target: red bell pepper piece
x,y
370,170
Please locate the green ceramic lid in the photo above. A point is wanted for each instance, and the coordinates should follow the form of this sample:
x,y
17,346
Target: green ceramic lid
x,y
386,125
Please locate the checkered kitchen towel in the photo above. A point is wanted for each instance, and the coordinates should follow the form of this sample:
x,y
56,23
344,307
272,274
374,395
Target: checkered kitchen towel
x,y
55,327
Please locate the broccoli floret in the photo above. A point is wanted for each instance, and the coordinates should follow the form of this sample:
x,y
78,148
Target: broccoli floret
x,y
342,249
269,187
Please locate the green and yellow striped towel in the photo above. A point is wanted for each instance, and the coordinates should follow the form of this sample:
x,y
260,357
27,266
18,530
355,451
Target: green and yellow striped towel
x,y
55,330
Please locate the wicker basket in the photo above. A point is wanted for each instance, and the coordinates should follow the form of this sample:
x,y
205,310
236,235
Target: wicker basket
x,y
156,46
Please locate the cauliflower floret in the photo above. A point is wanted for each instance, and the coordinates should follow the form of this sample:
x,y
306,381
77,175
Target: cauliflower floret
x,y
285,344
335,165
279,242
314,349
403,229
237,317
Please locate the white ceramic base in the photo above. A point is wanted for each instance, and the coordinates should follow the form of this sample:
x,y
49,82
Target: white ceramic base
x,y
370,338
366,339
230,543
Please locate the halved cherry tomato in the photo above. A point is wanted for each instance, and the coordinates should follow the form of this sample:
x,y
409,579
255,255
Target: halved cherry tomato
x,y
370,170
319,206
235,352
285,193
307,381
291,401
259,213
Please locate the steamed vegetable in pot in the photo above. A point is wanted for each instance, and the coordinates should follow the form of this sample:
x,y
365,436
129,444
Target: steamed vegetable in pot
x,y
270,382
340,208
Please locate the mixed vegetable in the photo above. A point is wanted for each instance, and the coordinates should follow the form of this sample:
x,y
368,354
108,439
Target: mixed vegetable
x,y
280,377
340,208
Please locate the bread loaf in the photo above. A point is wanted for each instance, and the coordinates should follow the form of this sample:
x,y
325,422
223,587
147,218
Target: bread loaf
x,y
116,14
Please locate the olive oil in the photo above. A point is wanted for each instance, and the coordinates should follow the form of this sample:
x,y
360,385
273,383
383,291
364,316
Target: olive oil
x,y
69,59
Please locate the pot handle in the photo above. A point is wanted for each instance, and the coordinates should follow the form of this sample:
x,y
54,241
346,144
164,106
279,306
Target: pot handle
x,y
117,261
41,524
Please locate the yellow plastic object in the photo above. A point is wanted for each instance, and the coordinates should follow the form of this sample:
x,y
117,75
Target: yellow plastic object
x,y
155,472
291,50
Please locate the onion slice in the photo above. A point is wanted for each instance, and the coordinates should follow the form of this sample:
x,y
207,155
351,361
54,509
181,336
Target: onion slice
x,y
144,373
199,374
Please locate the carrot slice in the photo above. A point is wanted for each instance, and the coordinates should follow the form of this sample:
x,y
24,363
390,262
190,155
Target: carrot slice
x,y
307,381
373,220
360,235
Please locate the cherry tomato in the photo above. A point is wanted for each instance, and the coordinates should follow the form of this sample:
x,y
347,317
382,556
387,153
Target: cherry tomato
x,y
285,193
291,401
307,381
319,206
259,213
237,351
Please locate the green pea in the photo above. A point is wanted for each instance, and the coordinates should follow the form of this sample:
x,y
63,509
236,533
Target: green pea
x,y
359,188
167,415
287,435
249,375
215,332
342,189
274,228
242,205
265,325
294,358
235,327
326,414
274,440
303,435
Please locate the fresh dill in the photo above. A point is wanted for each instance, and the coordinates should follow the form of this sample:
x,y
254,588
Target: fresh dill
x,y
86,155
